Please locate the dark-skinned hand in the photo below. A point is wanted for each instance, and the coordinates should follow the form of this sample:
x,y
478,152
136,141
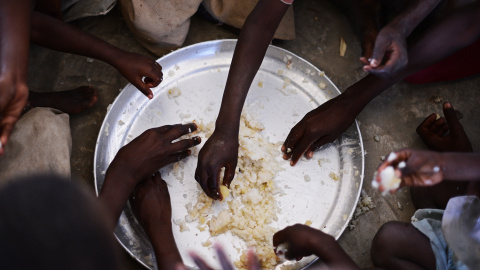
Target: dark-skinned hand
x,y
389,53
152,150
143,72
317,128
13,98
151,203
220,151
300,240
414,168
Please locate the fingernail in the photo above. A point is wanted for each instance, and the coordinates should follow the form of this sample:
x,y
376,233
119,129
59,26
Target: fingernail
x,y
283,147
373,62
291,163
447,105
310,154
150,96
285,156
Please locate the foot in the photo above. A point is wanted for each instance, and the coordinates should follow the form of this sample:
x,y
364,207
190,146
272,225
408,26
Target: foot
x,y
71,101
444,134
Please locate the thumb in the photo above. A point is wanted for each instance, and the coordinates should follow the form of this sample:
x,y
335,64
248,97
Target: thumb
x,y
378,51
450,115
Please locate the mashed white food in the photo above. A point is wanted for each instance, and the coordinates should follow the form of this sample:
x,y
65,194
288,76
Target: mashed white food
x,y
251,204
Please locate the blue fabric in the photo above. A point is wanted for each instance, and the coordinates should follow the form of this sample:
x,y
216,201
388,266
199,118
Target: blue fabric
x,y
429,222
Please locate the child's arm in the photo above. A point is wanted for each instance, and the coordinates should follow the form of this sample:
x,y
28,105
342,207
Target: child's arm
x,y
301,241
57,35
139,160
153,210
14,48
222,147
327,122
392,39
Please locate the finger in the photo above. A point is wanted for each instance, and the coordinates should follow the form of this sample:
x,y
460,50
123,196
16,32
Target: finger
x,y
424,127
364,60
6,127
222,257
451,116
199,262
175,157
300,149
252,260
185,144
201,177
180,130
153,78
443,130
381,45
143,88
317,144
437,126
293,137
229,174
164,129
278,238
213,180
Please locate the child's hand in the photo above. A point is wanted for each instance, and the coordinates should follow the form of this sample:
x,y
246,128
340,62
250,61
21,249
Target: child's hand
x,y
300,241
13,98
143,72
153,150
318,127
224,262
151,203
220,150
414,167
389,54
444,134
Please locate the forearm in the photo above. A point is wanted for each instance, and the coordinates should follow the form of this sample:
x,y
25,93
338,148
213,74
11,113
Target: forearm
x,y
57,35
330,252
115,193
164,246
415,13
461,166
252,44
14,38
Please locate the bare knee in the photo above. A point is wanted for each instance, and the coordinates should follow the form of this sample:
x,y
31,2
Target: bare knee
x,y
388,242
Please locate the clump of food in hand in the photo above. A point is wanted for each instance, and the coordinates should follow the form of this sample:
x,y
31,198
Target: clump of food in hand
x,y
281,250
224,191
388,180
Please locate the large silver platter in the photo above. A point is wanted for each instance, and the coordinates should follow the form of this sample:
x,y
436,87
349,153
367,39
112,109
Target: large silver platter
x,y
284,90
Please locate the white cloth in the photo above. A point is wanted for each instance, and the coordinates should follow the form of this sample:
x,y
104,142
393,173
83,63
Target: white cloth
x,y
40,143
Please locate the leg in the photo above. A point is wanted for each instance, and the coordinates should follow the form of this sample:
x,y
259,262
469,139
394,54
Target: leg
x,y
399,245
40,144
70,102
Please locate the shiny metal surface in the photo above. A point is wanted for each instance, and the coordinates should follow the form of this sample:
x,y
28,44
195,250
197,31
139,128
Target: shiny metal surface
x,y
284,90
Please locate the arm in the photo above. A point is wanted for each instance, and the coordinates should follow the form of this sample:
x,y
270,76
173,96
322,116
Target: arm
x,y
14,48
392,39
57,35
327,122
301,241
222,147
139,160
